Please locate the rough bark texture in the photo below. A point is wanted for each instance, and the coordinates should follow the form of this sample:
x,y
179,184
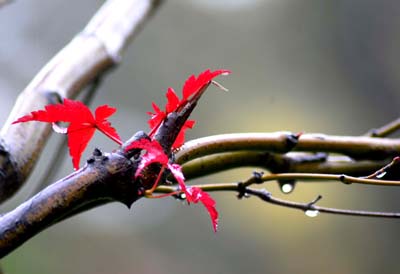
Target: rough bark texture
x,y
105,178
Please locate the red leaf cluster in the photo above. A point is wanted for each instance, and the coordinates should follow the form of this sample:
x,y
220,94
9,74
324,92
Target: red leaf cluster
x,y
82,124
192,87
155,154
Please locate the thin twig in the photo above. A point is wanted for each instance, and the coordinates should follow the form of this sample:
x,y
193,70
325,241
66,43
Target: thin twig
x,y
346,179
309,177
385,130
383,172
267,197
243,189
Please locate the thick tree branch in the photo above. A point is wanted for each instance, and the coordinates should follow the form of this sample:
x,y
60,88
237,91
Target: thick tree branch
x,y
92,52
105,178
295,162
357,147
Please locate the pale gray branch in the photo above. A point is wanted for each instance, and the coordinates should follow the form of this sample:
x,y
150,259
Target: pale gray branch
x,y
91,53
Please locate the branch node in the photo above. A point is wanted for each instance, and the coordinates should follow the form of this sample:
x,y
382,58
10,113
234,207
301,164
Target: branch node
x,y
310,205
374,132
241,188
292,140
257,177
343,179
97,155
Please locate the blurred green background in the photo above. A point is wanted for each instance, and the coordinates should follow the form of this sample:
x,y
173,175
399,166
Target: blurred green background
x,y
312,66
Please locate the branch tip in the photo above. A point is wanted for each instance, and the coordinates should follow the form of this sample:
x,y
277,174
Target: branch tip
x,y
313,202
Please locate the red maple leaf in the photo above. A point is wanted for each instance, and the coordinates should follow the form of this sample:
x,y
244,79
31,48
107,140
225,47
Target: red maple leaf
x,y
155,154
195,194
82,124
195,85
192,87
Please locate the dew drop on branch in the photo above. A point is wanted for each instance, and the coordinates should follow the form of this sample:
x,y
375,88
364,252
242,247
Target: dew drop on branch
x,y
380,175
312,213
287,188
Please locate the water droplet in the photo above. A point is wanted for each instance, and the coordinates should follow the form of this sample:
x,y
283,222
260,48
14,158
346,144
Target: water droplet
x,y
380,175
287,188
182,196
312,213
59,129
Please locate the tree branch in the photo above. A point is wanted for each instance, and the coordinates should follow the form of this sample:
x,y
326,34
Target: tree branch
x,y
357,147
243,189
385,130
92,52
105,178
267,197
62,147
295,162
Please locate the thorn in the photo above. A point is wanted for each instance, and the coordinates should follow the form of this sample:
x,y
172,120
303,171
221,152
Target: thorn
x,y
292,140
97,152
141,191
104,159
298,135
90,160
